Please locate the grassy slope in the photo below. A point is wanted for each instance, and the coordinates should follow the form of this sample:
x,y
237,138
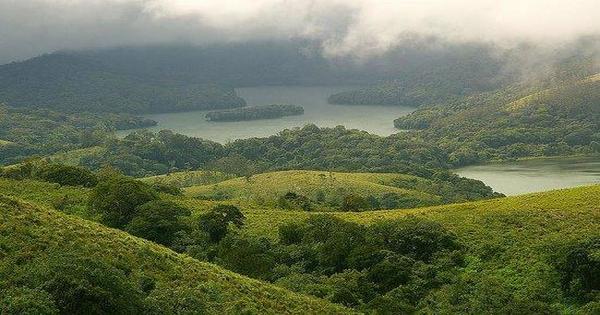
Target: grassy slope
x,y
188,178
29,232
266,188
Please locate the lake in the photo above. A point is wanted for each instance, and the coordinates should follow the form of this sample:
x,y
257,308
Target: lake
x,y
374,119
520,177
511,178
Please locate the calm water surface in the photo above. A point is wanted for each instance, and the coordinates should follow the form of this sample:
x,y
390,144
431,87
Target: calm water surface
x,y
374,119
528,176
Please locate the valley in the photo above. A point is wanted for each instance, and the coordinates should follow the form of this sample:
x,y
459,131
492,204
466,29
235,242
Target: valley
x,y
299,157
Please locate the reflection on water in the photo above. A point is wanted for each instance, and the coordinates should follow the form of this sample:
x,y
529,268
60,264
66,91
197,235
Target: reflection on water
x,y
513,178
374,119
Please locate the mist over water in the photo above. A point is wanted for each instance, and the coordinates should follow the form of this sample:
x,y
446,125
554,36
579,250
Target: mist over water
x,y
374,119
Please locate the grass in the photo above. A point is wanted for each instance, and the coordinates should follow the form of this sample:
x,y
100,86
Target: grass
x,y
188,178
29,233
265,189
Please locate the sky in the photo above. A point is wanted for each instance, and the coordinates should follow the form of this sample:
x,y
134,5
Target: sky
x,y
343,27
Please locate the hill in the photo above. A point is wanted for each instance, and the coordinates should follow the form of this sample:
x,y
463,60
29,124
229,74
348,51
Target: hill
x,y
36,239
322,190
514,122
188,178
73,83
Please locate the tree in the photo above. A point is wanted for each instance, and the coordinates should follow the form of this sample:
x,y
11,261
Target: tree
x,y
414,237
250,256
578,265
216,222
116,198
158,221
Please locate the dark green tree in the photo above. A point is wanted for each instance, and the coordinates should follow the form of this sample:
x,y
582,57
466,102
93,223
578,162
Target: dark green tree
x,y
216,222
158,221
115,199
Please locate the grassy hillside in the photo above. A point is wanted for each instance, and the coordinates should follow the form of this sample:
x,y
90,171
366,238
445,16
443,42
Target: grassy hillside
x,y
511,241
188,178
31,236
326,190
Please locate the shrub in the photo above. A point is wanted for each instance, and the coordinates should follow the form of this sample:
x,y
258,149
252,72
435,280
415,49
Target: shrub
x,y
578,265
86,286
417,238
251,256
354,203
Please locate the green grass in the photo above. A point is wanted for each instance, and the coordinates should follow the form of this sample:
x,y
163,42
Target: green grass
x,y
29,233
265,189
188,178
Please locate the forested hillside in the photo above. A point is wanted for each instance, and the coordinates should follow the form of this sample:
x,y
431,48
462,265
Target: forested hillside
x,y
73,83
27,131
514,122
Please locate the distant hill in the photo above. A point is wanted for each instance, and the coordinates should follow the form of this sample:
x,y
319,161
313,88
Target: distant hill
x,y
38,239
73,83
514,122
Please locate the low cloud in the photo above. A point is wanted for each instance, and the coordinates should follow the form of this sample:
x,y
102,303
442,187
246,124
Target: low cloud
x,y
344,27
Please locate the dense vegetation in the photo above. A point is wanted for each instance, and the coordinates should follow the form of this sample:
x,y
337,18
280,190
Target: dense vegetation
x,y
255,112
310,148
71,83
51,263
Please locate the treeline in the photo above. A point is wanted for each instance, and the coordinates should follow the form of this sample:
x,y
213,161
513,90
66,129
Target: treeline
x,y
255,112
145,153
26,132
71,83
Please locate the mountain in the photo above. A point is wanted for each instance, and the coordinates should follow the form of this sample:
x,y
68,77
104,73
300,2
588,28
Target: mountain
x,y
74,83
